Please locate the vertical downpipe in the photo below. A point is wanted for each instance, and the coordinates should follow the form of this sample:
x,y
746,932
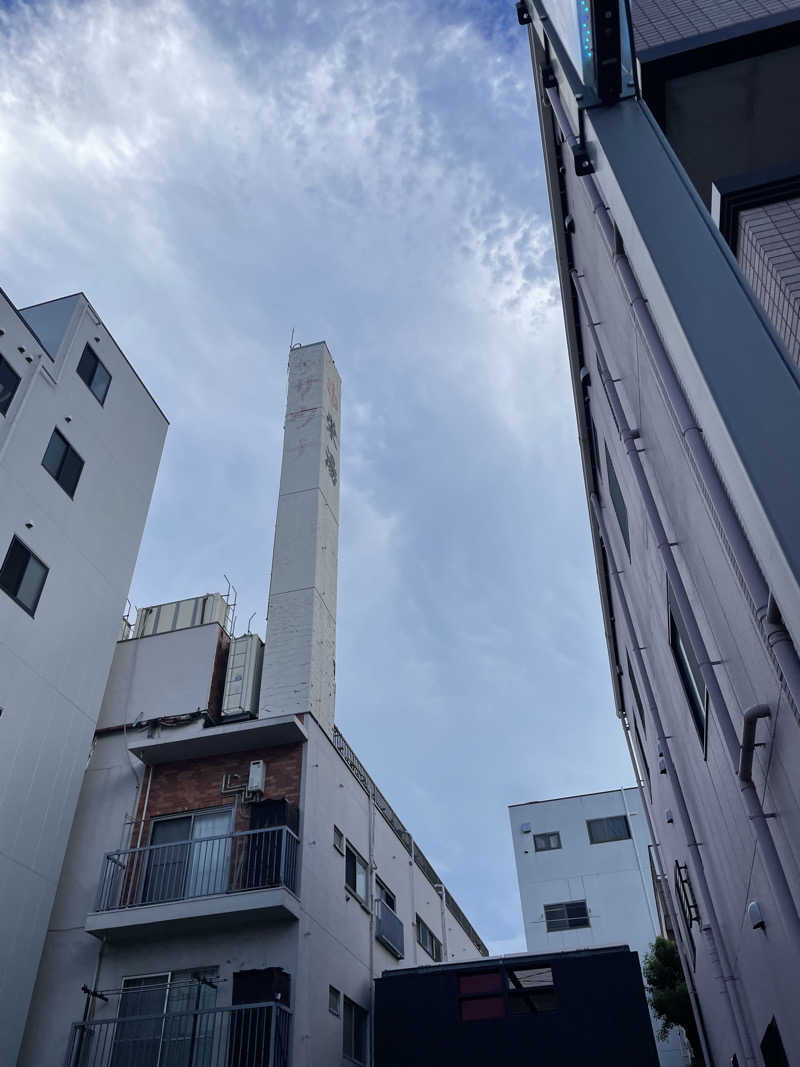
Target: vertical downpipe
x,y
413,900
372,866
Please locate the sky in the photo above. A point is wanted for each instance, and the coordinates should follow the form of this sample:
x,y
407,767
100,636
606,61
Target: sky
x,y
217,175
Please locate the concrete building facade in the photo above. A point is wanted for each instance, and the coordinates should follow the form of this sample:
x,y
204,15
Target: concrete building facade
x,y
585,876
234,878
80,444
667,149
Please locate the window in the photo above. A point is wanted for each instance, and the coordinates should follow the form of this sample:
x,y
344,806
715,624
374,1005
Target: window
x,y
354,1043
595,448
195,860
690,674
570,915
635,690
93,372
547,842
530,990
63,462
772,1048
334,1001
613,828
338,839
9,380
355,873
428,940
481,996
618,500
641,756
382,892
23,575
509,991
140,1035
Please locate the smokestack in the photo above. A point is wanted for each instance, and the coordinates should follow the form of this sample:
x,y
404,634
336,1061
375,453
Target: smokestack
x,y
299,671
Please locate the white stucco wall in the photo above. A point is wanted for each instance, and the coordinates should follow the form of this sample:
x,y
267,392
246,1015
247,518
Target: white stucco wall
x,y
53,667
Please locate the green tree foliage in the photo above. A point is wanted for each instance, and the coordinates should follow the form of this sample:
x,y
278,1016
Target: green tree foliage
x,y
669,996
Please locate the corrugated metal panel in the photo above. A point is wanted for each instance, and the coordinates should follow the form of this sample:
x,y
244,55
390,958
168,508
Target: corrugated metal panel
x,y
243,677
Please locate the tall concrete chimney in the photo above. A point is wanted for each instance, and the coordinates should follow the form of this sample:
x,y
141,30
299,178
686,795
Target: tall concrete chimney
x,y
299,656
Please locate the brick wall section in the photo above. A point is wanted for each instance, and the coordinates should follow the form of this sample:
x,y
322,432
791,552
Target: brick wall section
x,y
194,785
657,22
769,255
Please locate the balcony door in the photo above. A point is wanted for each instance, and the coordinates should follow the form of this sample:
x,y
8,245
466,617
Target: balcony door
x,y
189,856
158,1024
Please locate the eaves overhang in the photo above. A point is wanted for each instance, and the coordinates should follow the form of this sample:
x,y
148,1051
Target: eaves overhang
x,y
167,746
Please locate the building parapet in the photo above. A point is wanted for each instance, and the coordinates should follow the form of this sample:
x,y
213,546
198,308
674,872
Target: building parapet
x,y
360,774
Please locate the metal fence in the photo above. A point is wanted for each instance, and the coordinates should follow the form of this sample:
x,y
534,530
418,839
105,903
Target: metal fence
x,y
181,870
249,1035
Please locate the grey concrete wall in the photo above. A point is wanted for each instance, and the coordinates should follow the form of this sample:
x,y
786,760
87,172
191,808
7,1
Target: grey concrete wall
x,y
162,675
53,667
766,969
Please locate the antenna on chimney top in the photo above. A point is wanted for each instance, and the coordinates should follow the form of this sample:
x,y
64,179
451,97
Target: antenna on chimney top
x,y
292,342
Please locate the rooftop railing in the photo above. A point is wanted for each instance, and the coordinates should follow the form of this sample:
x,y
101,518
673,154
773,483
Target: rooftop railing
x,y
183,870
248,1035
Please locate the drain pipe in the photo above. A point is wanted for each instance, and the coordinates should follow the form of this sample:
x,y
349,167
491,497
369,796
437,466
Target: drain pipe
x,y
666,895
751,717
778,642
724,972
755,813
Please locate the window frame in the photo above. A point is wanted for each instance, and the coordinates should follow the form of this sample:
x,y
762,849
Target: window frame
x,y
571,921
338,839
547,847
434,949
382,891
356,1013
359,859
30,609
687,903
607,819
89,380
5,405
685,660
618,501
637,699
69,452
335,1001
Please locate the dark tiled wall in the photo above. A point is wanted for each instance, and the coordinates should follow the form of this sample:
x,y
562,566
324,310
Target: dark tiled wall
x,y
769,255
658,22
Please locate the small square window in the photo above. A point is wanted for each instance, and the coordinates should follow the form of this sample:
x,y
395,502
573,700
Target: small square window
x,y
614,828
9,380
63,463
334,1001
338,839
618,501
691,676
93,372
355,873
547,842
23,575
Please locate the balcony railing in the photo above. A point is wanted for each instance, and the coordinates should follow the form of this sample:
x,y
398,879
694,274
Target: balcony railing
x,y
389,929
183,870
249,1035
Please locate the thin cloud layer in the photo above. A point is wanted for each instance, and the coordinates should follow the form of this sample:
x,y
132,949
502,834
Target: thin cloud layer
x,y
214,175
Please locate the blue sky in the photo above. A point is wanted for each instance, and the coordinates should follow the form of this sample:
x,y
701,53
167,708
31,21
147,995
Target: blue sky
x,y
214,175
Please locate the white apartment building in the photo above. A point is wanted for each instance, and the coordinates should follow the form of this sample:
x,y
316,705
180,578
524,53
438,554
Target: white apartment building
x,y
234,879
80,444
586,879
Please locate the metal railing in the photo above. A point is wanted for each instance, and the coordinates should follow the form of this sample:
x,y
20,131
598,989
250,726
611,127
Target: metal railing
x,y
389,929
247,1035
183,870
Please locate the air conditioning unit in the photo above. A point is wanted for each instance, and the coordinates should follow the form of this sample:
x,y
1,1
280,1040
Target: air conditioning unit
x,y
257,777
243,676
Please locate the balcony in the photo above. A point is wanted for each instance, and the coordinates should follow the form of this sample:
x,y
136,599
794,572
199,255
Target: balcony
x,y
248,1035
389,929
226,880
